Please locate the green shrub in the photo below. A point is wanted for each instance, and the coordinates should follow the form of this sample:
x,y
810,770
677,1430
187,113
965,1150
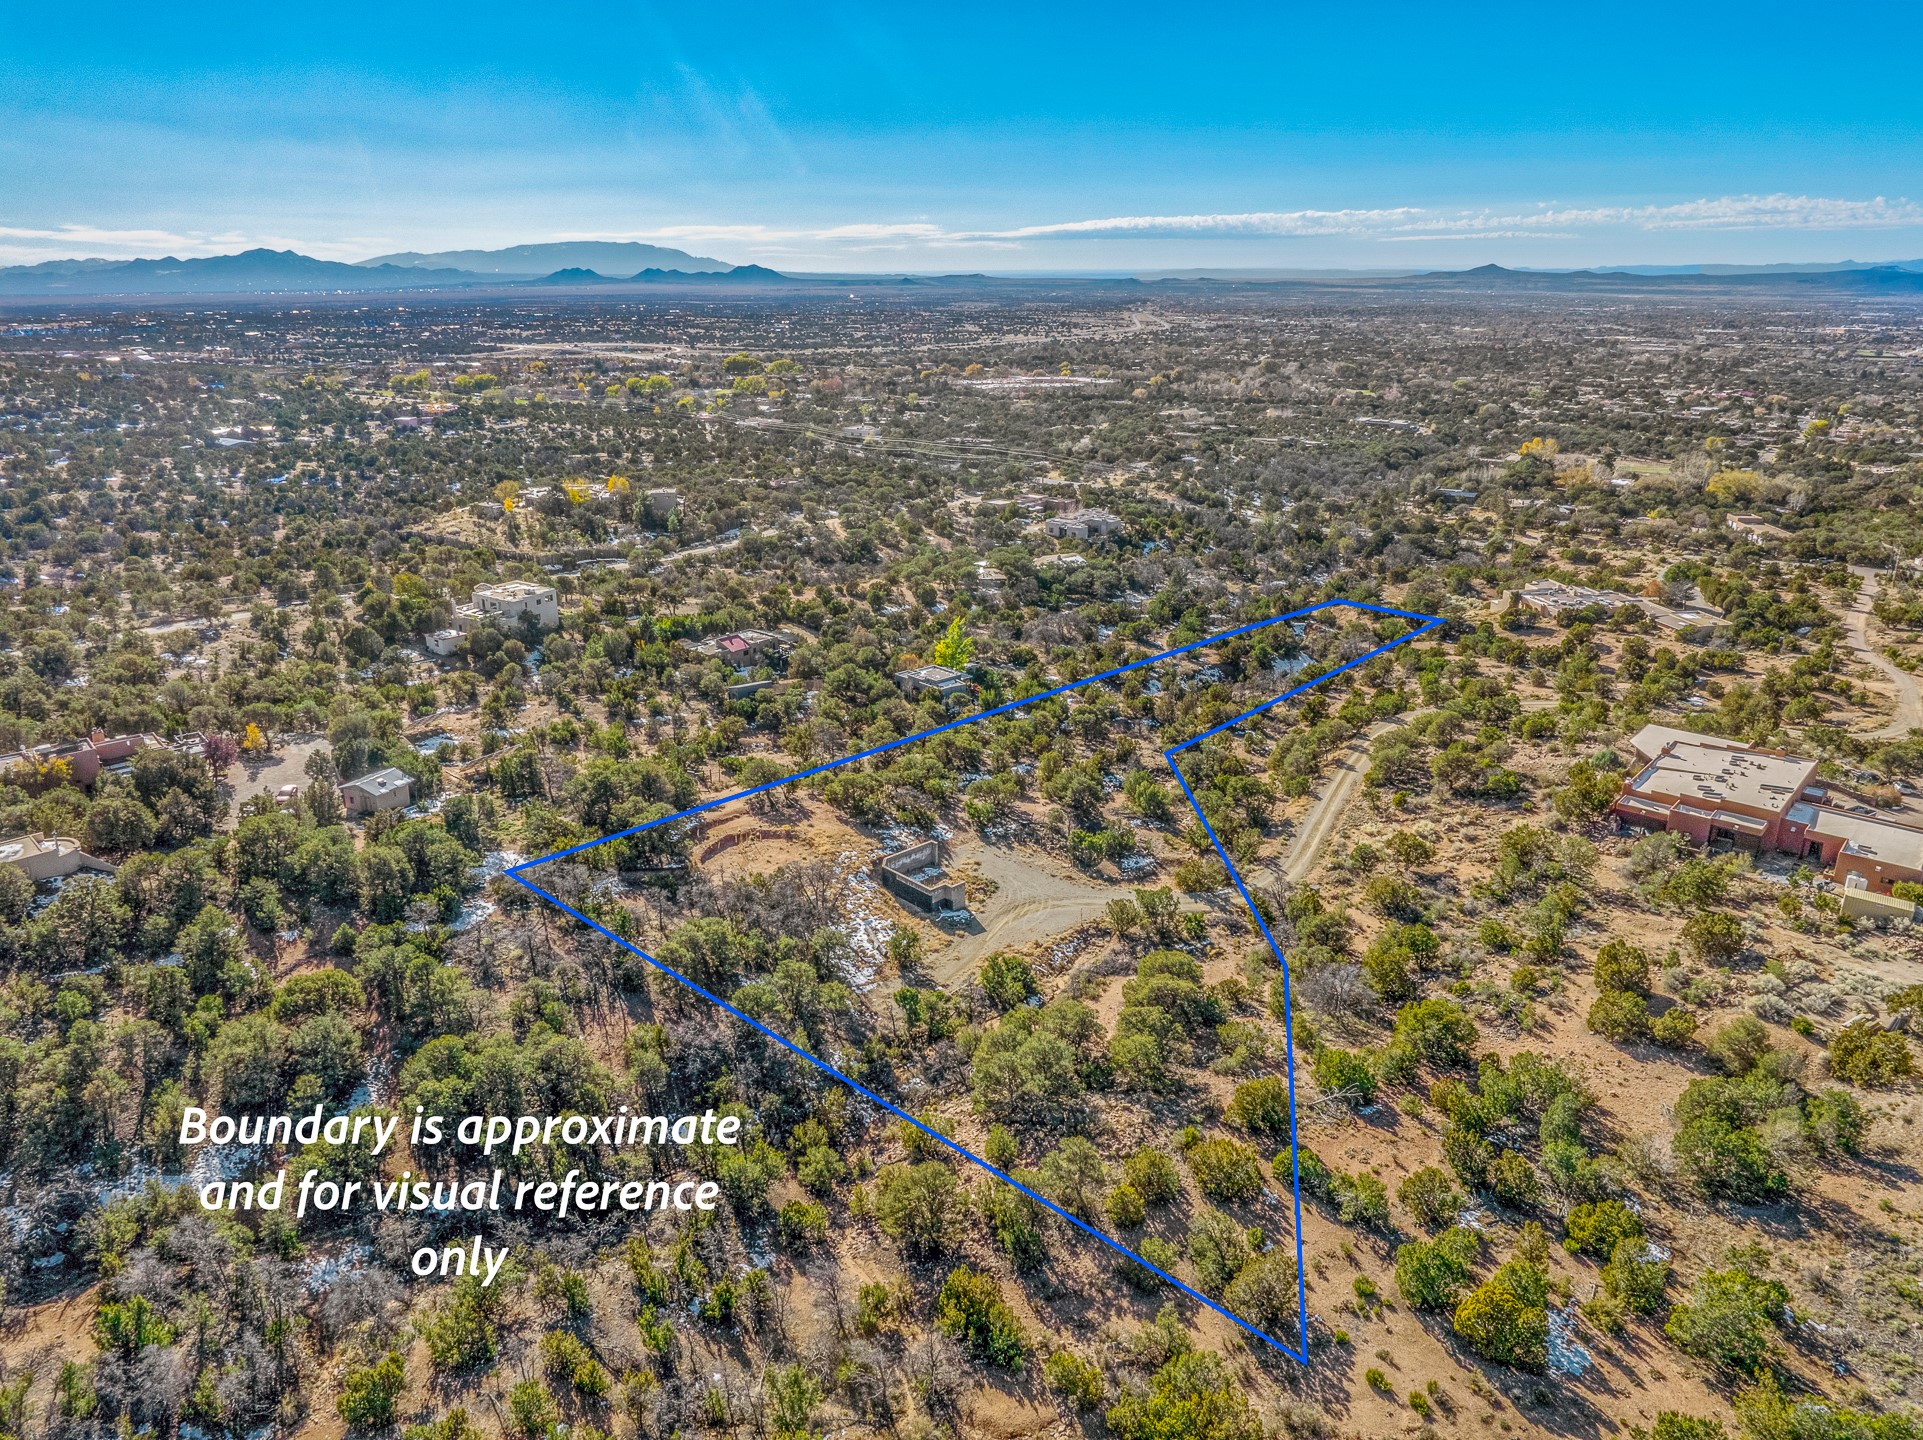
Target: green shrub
x,y
1595,1229
916,1206
1738,1045
1015,1221
1728,1320
368,1393
1635,1277
1218,1248
1431,1196
531,1411
465,1332
1512,1180
1076,1380
1728,1162
1393,898
1864,1053
1265,1291
1622,966
1261,1105
1126,1208
1620,1015
1001,1151
1344,1072
1226,1169
1430,1274
1008,979
1506,1319
569,1362
1673,1425
1361,1199
1438,1032
1674,1028
1153,1174
803,1225
1835,1121
971,1310
1191,1397
1713,937
1766,1413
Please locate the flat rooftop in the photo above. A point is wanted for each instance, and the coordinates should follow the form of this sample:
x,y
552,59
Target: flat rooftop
x,y
1882,841
15,848
513,589
1707,775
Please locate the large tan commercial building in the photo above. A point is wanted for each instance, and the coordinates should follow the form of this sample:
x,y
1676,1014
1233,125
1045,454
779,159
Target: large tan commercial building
x,y
1721,792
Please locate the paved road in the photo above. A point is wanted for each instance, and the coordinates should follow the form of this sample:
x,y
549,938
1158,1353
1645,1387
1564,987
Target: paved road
x,y
1856,621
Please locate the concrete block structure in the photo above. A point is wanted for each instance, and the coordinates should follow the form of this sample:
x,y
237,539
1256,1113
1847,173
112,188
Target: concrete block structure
x,y
1083,525
915,875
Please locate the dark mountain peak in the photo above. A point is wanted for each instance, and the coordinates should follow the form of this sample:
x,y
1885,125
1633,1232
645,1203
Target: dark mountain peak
x,y
534,262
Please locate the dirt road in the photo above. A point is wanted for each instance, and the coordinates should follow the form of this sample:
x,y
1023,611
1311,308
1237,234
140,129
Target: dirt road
x,y
1325,815
1856,622
1035,899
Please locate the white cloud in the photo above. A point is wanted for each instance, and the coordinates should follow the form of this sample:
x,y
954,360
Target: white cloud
x,y
27,245
1392,224
818,244
1729,212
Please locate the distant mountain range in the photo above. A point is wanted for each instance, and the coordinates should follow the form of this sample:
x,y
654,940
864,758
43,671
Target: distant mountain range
x,y
269,272
266,272
531,262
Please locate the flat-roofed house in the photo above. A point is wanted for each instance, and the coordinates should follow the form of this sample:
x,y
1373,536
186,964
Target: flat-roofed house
x,y
742,648
1714,793
1756,529
48,857
388,789
1722,792
1553,598
1861,851
86,758
1082,525
950,685
504,603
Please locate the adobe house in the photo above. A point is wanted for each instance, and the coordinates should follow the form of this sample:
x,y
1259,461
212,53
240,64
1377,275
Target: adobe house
x,y
48,857
388,789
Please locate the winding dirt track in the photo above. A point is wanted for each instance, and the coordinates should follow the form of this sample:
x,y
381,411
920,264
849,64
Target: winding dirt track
x,y
1856,620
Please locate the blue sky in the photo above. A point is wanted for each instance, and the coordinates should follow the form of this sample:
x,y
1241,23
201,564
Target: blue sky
x,y
985,137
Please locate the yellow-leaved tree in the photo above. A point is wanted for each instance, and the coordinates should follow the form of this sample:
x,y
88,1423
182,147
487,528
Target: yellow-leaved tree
x,y
956,648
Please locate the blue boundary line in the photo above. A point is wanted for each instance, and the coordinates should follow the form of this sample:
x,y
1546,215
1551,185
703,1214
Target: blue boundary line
x,y
1427,624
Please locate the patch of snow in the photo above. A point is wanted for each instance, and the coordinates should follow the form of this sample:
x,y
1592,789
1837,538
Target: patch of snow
x,y
1567,1354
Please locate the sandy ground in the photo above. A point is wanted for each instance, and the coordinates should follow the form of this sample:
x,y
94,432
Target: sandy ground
x,y
1856,620
1036,898
286,766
